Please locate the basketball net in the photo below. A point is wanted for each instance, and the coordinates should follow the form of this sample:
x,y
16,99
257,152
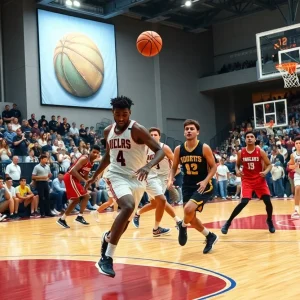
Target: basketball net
x,y
289,74
269,127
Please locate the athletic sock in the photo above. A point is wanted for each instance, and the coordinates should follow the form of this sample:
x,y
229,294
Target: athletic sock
x,y
110,251
63,217
183,224
177,219
297,208
138,212
205,232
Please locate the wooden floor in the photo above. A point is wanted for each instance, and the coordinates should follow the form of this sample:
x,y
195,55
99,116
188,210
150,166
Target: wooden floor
x,y
40,260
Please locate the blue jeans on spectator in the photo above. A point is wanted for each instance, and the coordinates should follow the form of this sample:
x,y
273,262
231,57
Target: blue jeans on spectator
x,y
60,199
278,187
223,188
215,187
21,158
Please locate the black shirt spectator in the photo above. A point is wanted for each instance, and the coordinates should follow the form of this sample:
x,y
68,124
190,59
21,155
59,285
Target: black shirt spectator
x,y
53,124
20,143
82,132
32,120
7,115
43,120
64,127
15,112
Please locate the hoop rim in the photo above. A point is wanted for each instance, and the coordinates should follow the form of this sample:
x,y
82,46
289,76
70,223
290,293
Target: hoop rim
x,y
288,67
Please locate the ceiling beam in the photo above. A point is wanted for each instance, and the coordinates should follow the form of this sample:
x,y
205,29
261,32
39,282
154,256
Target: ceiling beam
x,y
118,7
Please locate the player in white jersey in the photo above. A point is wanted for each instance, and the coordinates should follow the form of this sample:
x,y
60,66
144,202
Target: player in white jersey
x,y
157,183
125,154
294,163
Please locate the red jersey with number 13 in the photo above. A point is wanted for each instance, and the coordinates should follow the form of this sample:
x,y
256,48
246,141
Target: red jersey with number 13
x,y
252,163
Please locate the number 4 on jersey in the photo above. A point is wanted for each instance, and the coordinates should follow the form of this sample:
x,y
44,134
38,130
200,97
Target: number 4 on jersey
x,y
121,159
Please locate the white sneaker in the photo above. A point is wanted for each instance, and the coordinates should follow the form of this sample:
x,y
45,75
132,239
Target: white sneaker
x,y
223,198
216,197
95,214
95,206
53,212
285,196
295,215
56,211
233,197
2,217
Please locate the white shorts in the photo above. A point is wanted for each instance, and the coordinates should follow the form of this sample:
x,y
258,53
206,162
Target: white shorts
x,y
156,186
120,185
296,181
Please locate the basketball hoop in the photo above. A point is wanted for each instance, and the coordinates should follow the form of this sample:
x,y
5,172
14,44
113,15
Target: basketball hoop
x,y
289,74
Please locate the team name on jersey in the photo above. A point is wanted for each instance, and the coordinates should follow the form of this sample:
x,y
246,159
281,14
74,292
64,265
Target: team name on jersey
x,y
251,159
191,158
119,144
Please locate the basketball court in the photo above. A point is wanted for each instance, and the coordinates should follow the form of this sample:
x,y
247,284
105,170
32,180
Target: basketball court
x,y
40,260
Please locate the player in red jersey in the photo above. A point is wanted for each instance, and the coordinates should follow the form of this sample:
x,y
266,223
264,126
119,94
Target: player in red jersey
x,y
253,160
77,174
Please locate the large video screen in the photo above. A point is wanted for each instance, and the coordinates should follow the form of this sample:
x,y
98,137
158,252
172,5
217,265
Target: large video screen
x,y
77,61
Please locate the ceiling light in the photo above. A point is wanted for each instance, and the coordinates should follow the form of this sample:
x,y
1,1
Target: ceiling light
x,y
76,3
188,3
69,3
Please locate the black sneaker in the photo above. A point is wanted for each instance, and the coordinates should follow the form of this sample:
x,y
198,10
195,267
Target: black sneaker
x,y
81,220
62,223
182,237
271,226
105,266
17,217
161,231
136,220
211,239
225,228
104,243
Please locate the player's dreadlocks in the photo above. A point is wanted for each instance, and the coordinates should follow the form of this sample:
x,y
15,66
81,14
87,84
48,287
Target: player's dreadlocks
x,y
121,102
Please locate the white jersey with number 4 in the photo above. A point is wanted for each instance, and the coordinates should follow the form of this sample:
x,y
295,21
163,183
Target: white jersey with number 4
x,y
126,156
163,167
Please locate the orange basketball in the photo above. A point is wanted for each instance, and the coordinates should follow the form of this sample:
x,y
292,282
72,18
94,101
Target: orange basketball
x,y
149,43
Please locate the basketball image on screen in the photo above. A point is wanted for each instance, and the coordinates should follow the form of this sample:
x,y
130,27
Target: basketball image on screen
x,y
77,61
78,64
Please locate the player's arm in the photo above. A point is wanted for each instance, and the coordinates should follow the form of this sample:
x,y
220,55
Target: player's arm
x,y
170,155
267,163
291,163
80,163
105,161
238,164
141,136
174,166
207,153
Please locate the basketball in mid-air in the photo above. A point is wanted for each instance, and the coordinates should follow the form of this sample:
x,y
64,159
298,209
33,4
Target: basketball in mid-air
x,y
149,43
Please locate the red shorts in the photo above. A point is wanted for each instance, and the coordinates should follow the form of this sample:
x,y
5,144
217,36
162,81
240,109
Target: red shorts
x,y
73,187
259,186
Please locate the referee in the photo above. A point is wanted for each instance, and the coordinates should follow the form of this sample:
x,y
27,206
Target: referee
x,y
41,174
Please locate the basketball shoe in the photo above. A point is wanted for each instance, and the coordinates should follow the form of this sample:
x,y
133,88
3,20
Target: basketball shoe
x,y
105,266
136,220
271,226
182,236
211,239
62,223
225,228
161,231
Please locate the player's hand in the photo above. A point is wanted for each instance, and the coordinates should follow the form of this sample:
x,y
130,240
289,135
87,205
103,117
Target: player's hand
x,y
262,174
142,173
170,183
88,183
239,173
202,186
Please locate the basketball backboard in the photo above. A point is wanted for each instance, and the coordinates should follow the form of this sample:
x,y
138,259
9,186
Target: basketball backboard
x,y
274,47
270,111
